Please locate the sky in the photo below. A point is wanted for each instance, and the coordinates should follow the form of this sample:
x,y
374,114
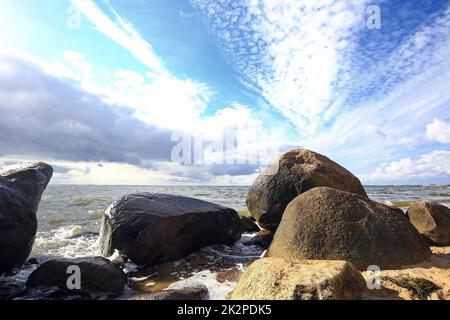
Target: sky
x,y
210,91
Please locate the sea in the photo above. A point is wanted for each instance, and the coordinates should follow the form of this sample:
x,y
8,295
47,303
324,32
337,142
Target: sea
x,y
69,219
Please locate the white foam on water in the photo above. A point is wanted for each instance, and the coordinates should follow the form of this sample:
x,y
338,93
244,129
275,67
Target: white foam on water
x,y
116,258
150,284
238,250
57,242
217,290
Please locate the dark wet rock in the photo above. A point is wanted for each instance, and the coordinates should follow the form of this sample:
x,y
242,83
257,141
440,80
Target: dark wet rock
x,y
98,276
36,260
10,288
194,293
154,228
20,193
328,224
263,240
32,261
249,224
295,172
432,220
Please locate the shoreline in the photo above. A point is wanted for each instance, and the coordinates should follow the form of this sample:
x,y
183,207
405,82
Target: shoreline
x,y
69,218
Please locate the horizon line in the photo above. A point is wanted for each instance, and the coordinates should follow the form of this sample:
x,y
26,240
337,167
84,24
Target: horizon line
x,y
232,185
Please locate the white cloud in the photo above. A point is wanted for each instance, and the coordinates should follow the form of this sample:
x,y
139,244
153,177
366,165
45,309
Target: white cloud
x,y
293,51
372,129
366,103
299,54
409,142
254,142
78,60
244,180
160,100
163,101
84,128
431,165
104,173
54,68
439,131
402,110
122,32
157,97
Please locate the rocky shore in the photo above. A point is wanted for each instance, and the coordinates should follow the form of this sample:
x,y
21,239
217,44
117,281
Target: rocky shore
x,y
324,239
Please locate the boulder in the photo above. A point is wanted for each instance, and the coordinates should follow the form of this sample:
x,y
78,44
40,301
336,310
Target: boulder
x,y
249,225
432,220
329,224
20,192
98,276
295,172
281,279
400,212
152,228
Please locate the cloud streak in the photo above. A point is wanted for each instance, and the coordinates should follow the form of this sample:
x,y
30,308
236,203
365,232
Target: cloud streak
x,y
121,32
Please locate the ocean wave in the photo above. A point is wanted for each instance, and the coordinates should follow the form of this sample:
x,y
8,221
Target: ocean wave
x,y
61,242
85,202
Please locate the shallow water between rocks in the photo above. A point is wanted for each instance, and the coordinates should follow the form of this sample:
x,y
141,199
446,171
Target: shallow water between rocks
x,y
70,216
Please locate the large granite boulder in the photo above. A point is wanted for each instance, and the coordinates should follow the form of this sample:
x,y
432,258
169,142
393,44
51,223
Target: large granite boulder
x,y
432,220
329,224
98,275
295,172
154,228
281,279
20,192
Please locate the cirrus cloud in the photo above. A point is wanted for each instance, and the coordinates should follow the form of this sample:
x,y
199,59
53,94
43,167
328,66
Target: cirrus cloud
x,y
294,52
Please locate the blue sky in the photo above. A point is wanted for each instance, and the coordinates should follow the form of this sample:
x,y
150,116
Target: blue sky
x,y
102,89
